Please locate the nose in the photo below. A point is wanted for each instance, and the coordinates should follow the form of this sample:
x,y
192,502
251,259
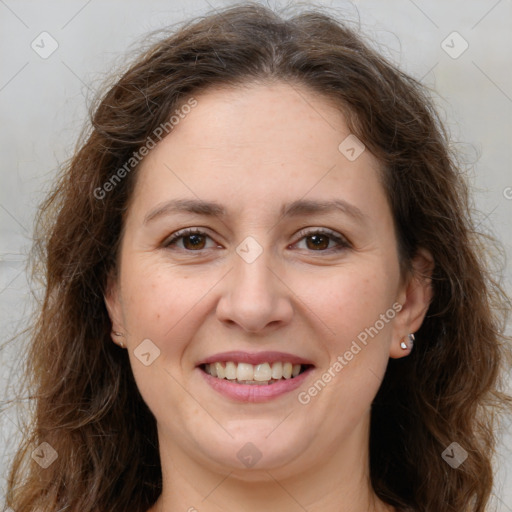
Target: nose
x,y
255,297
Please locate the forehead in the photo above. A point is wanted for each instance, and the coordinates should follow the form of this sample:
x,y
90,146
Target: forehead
x,y
253,146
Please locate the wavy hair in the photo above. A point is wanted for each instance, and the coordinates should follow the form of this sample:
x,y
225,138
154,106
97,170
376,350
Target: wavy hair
x,y
86,404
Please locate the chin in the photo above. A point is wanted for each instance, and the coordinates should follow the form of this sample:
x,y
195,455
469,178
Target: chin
x,y
253,450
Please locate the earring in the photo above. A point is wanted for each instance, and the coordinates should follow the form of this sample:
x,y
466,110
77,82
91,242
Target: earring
x,y
404,345
115,333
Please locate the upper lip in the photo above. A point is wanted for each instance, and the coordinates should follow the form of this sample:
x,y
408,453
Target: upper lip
x,y
254,358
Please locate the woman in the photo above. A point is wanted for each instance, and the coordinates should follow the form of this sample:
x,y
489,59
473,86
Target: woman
x,y
266,222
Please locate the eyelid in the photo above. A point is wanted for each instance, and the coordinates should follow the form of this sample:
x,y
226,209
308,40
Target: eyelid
x,y
182,233
341,240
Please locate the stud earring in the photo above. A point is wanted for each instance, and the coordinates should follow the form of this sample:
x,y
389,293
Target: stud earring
x,y
404,345
119,334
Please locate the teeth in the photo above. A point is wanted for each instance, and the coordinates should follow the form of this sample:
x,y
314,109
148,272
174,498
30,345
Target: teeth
x,y
244,371
231,372
264,373
277,370
219,370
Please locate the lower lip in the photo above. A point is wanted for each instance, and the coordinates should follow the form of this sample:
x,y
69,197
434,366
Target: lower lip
x,y
254,392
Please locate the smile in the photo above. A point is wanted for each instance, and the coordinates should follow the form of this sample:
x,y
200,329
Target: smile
x,y
254,377
259,374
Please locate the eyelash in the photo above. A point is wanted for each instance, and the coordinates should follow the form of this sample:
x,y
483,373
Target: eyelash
x,y
342,242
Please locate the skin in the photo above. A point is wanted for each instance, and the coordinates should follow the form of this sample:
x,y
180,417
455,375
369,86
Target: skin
x,y
253,149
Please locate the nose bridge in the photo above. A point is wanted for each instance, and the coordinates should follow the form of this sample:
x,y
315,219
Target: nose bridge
x,y
254,296
253,278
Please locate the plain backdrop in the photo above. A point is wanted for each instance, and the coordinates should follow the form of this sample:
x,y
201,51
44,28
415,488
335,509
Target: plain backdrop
x,y
460,49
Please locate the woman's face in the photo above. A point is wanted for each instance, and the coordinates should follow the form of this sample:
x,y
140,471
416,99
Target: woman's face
x,y
292,267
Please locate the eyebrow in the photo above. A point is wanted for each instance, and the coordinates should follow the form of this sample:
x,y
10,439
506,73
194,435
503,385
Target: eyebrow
x,y
297,208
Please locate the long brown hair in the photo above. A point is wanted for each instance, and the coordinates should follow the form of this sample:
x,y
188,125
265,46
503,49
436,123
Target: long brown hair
x,y
86,403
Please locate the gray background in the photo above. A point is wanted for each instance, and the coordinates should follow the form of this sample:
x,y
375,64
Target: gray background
x,y
43,105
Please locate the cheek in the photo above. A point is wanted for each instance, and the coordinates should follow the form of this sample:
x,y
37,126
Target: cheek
x,y
355,310
164,304
158,305
348,301
155,294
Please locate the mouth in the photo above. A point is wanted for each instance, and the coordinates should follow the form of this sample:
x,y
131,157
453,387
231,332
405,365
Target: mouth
x,y
262,374
254,377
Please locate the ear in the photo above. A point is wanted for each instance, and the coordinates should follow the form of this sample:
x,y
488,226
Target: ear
x,y
415,296
113,305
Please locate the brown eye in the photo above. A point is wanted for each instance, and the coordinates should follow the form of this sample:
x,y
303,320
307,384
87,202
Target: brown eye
x,y
320,240
194,242
191,240
317,242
